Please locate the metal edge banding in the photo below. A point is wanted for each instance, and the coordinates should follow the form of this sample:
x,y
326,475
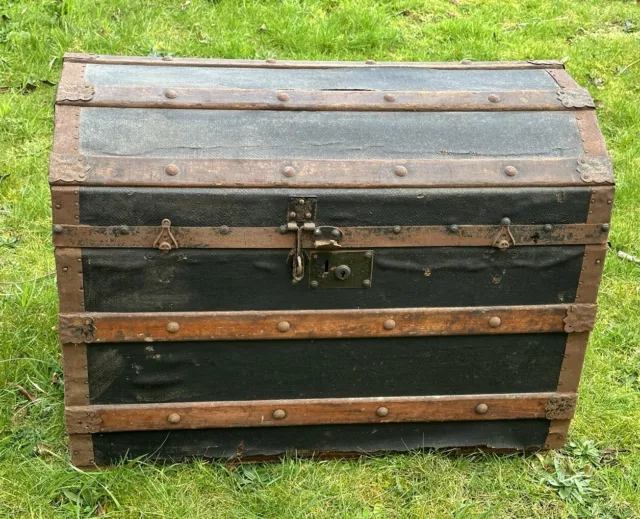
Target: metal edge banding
x,y
66,131
268,413
563,79
97,327
557,436
70,280
65,206
326,100
272,63
372,173
352,237
571,368
592,139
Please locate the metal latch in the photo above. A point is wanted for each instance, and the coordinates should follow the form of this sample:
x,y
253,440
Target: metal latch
x,y
301,211
165,240
504,239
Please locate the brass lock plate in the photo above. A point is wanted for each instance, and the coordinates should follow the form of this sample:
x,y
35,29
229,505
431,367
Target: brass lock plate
x,y
340,269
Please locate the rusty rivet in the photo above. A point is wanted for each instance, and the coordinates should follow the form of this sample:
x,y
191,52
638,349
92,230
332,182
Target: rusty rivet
x,y
173,327
548,227
389,97
288,171
170,93
401,171
307,215
172,170
593,200
466,62
224,229
57,229
609,202
283,97
482,408
58,206
366,283
65,269
495,321
279,414
382,412
314,284
389,324
598,262
282,229
173,418
605,227
397,229
454,228
511,171
494,98
370,62
79,260
271,60
284,326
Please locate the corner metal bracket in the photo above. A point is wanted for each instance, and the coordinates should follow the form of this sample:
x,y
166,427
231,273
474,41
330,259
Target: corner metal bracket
x,y
561,408
165,240
580,318
74,93
575,98
67,168
76,329
595,169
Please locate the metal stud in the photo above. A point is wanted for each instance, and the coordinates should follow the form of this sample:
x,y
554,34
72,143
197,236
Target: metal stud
x,y
335,233
598,262
170,93
605,227
57,229
317,232
172,170
389,324
368,254
494,98
314,284
400,171
548,227
397,229
390,98
366,283
466,62
511,171
288,171
282,229
482,408
173,327
283,97
279,414
495,321
292,214
284,326
173,418
224,229
454,228
505,221
58,206
382,412
65,269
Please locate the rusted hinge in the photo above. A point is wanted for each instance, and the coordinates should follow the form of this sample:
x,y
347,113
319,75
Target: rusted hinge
x,y
575,98
83,92
595,169
580,318
561,408
165,240
504,239
67,168
76,329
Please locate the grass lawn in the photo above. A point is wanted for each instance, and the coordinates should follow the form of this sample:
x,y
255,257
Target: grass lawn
x,y
597,475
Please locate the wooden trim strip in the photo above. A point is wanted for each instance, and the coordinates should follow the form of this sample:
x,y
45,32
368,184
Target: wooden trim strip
x,y
308,324
558,431
572,362
270,413
371,173
353,237
326,100
270,63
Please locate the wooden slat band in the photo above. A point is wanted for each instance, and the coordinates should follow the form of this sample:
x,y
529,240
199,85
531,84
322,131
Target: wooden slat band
x,y
353,237
71,169
269,63
91,327
270,413
325,100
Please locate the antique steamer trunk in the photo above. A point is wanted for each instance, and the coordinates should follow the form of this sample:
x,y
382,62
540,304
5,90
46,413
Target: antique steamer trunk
x,y
262,257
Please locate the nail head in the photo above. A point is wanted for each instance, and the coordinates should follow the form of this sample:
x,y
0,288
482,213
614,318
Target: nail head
x,y
284,326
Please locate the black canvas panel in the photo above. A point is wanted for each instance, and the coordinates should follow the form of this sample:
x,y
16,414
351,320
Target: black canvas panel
x,y
346,78
147,280
201,207
271,441
121,373
273,134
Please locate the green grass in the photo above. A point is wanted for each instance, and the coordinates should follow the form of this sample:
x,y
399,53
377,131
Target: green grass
x,y
597,476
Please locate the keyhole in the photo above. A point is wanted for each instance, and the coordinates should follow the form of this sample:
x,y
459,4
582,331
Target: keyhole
x,y
326,267
342,272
